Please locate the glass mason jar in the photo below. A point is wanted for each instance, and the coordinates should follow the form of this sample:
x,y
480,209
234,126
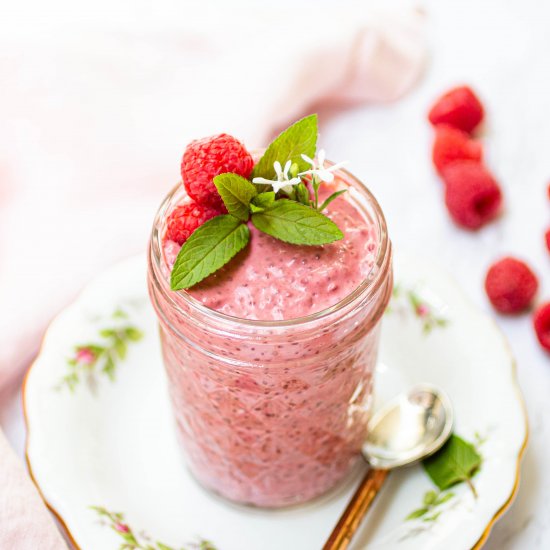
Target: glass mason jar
x,y
272,413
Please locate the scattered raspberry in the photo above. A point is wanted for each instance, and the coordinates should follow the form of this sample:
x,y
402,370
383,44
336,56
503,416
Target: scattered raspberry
x,y
472,195
206,158
548,191
451,145
510,285
541,322
186,218
459,107
547,238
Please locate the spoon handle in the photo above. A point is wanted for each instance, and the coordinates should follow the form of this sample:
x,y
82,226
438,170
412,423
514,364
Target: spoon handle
x,y
357,508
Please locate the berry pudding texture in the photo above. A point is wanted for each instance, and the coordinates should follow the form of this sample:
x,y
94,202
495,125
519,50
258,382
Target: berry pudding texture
x,y
274,280
271,406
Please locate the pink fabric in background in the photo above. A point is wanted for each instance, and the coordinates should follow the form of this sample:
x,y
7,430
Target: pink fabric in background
x,y
96,107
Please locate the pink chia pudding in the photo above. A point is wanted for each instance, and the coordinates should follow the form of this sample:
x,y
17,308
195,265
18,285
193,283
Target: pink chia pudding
x,y
273,280
270,360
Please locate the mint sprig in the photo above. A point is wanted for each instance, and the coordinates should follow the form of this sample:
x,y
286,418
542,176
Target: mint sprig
x,y
208,248
296,223
296,219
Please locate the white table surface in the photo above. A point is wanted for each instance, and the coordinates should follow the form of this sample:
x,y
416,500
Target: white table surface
x,y
502,49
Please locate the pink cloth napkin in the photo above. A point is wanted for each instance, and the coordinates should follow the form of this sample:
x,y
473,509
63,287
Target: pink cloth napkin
x,y
25,523
96,109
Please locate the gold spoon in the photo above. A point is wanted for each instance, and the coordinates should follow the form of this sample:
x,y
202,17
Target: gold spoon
x,y
409,428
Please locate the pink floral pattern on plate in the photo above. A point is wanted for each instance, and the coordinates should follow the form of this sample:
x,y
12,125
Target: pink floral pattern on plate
x,y
407,301
131,540
101,356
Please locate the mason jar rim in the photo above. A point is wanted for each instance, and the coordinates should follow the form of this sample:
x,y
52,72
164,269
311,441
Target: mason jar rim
x,y
366,289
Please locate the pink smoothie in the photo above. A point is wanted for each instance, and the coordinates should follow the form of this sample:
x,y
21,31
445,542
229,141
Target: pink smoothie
x,y
275,414
273,280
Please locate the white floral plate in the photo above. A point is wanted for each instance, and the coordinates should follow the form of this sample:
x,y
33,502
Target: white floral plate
x,y
102,449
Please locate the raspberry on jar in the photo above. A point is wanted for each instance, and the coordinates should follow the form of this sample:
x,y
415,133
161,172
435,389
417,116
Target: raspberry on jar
x,y
511,285
206,158
184,219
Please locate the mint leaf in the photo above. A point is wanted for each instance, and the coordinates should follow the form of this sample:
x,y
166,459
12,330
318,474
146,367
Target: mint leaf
x,y
457,461
296,223
262,201
236,193
298,139
208,248
330,199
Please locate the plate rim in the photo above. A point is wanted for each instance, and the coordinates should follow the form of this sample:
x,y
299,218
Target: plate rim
x,y
63,524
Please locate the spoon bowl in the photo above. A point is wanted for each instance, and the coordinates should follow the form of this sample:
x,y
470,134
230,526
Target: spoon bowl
x,y
409,428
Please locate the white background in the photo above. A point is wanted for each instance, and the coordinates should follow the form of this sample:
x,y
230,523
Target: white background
x,y
501,48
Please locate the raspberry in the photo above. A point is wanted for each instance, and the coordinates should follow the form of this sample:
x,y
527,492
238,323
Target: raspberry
x,y
547,239
186,218
472,195
510,285
206,158
451,145
541,322
459,107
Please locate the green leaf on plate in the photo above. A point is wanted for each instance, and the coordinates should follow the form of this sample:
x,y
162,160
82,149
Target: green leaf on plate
x,y
133,334
444,497
457,461
298,139
121,348
430,497
236,193
296,223
418,513
431,501
433,517
208,248
109,368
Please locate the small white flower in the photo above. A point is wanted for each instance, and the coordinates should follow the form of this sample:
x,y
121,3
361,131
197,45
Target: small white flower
x,y
283,180
318,168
